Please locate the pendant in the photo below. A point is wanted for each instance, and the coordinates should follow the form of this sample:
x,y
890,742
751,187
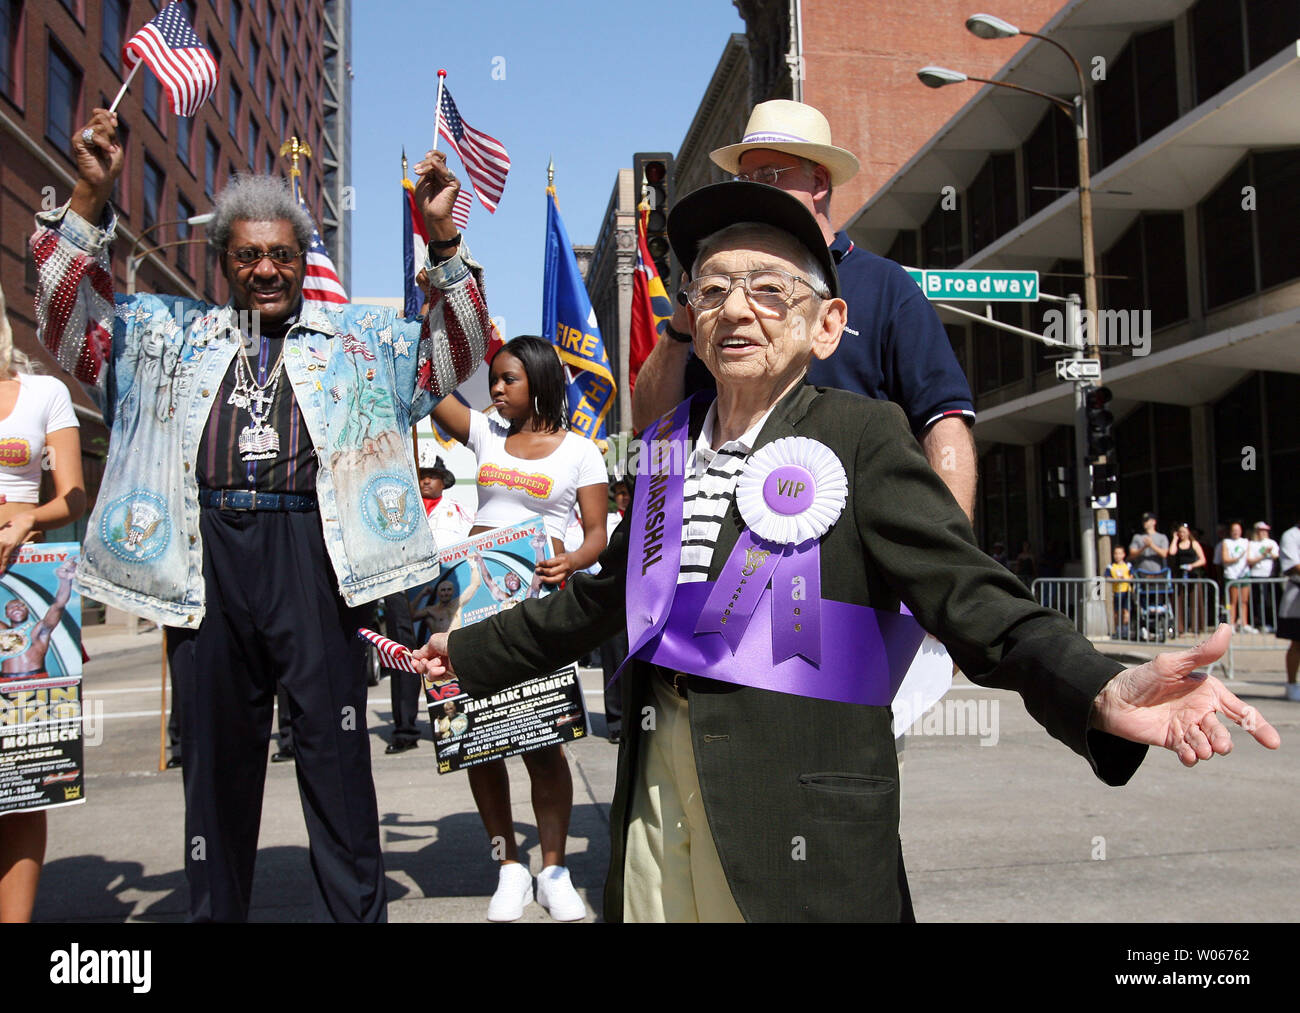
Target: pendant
x,y
239,399
258,442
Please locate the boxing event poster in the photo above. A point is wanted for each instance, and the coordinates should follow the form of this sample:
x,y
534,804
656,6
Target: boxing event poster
x,y
480,577
40,680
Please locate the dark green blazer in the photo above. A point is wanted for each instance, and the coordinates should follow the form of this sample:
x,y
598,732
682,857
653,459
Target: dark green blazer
x,y
802,794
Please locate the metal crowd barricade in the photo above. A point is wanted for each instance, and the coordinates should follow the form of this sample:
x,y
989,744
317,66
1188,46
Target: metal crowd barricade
x,y
1141,609
1264,595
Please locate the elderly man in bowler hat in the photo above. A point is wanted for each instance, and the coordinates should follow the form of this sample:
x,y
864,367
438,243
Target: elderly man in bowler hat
x,y
894,346
761,586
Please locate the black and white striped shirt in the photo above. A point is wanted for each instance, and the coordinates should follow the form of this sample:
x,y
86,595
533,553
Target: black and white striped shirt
x,y
707,495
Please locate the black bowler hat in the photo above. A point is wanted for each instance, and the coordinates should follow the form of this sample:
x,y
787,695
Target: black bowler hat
x,y
704,211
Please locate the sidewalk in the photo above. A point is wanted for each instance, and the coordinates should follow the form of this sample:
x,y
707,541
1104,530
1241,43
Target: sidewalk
x,y
101,641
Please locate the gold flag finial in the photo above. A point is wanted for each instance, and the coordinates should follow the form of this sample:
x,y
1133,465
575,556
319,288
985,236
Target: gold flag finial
x,y
550,177
403,161
293,148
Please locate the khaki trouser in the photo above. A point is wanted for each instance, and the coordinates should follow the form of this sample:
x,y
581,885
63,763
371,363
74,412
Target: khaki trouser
x,y
671,871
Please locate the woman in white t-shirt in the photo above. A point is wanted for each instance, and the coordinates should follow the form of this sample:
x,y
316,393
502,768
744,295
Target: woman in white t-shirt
x,y
1235,567
529,462
38,432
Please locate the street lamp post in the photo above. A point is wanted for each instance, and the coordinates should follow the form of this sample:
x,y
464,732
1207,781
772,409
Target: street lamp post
x,y
134,259
1082,337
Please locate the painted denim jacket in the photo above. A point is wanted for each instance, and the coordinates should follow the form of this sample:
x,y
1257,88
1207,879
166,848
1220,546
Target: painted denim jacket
x,y
361,376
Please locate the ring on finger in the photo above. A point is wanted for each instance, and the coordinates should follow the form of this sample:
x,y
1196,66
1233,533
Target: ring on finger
x,y
88,135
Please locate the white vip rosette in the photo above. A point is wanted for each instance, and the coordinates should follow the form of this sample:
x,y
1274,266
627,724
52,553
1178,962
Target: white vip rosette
x,y
791,491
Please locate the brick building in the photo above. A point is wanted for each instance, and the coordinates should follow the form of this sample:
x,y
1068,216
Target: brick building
x,y
284,72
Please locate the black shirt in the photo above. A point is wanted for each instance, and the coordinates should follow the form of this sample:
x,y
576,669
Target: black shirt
x,y
293,469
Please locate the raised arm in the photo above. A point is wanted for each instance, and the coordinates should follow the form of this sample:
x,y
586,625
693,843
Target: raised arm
x,y
74,283
453,415
455,331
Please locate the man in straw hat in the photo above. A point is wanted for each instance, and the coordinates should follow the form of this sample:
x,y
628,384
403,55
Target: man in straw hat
x,y
772,538
894,346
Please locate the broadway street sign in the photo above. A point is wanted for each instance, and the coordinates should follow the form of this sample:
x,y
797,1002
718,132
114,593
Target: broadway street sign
x,y
978,286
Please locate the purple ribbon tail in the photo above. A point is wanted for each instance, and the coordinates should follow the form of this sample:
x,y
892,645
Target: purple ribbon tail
x,y
740,585
797,605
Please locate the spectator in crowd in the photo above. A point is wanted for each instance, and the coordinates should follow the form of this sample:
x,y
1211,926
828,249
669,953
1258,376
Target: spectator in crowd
x,y
1261,555
1026,567
1236,566
39,421
1288,612
1186,562
1147,554
1121,573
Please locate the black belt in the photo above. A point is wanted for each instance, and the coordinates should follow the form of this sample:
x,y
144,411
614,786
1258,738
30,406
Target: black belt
x,y
245,499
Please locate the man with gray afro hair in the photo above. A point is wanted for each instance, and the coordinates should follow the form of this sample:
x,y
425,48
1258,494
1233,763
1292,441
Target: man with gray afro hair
x,y
259,489
257,199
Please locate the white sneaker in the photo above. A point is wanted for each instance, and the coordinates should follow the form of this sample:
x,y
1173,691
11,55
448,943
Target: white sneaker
x,y
1293,691
555,892
514,893
1249,629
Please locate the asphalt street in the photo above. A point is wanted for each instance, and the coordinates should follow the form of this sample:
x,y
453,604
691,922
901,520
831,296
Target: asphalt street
x,y
1000,822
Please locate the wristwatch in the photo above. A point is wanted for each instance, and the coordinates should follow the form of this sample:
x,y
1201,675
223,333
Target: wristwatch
x,y
675,334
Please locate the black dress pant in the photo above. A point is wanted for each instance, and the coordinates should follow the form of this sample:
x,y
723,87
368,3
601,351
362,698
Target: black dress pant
x,y
404,686
274,614
612,654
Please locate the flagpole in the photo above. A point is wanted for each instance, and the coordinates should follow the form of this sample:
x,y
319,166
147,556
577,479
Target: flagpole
x,y
122,91
415,428
437,107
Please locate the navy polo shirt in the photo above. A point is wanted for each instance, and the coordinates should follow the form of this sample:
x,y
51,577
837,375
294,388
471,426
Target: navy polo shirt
x,y
893,348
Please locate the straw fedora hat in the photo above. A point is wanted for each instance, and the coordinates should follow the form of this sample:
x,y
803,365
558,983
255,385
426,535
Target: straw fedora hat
x,y
796,129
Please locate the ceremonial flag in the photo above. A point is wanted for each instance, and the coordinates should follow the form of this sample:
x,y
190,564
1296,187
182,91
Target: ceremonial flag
x,y
651,307
321,283
173,52
412,226
569,322
484,157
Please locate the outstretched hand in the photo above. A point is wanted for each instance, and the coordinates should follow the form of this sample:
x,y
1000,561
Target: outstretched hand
x,y
1165,702
99,163
432,659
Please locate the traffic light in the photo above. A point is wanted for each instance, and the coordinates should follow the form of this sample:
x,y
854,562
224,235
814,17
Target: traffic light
x,y
1105,485
1101,440
652,174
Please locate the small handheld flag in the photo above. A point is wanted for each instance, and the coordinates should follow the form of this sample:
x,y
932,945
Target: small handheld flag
x,y
171,49
391,653
484,157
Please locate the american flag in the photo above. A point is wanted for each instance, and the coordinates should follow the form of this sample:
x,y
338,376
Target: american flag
x,y
173,52
484,157
321,283
460,211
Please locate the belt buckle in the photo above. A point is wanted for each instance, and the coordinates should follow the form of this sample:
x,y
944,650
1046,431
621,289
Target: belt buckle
x,y
253,504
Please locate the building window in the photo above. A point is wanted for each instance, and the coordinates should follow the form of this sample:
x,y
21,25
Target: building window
x,y
999,354
1003,511
153,192
1238,422
1051,161
1248,237
254,132
991,200
1146,268
232,109
210,166
184,139
11,60
75,8
903,250
190,10
941,237
113,23
269,90
1139,97
269,165
232,22
122,189
152,96
254,54
63,98
1230,37
284,122
1281,394
185,251
1153,457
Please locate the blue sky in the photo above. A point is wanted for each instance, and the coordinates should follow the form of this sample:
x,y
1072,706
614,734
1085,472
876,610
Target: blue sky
x,y
588,83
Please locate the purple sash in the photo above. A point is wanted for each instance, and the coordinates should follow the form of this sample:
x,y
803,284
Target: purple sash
x,y
849,654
